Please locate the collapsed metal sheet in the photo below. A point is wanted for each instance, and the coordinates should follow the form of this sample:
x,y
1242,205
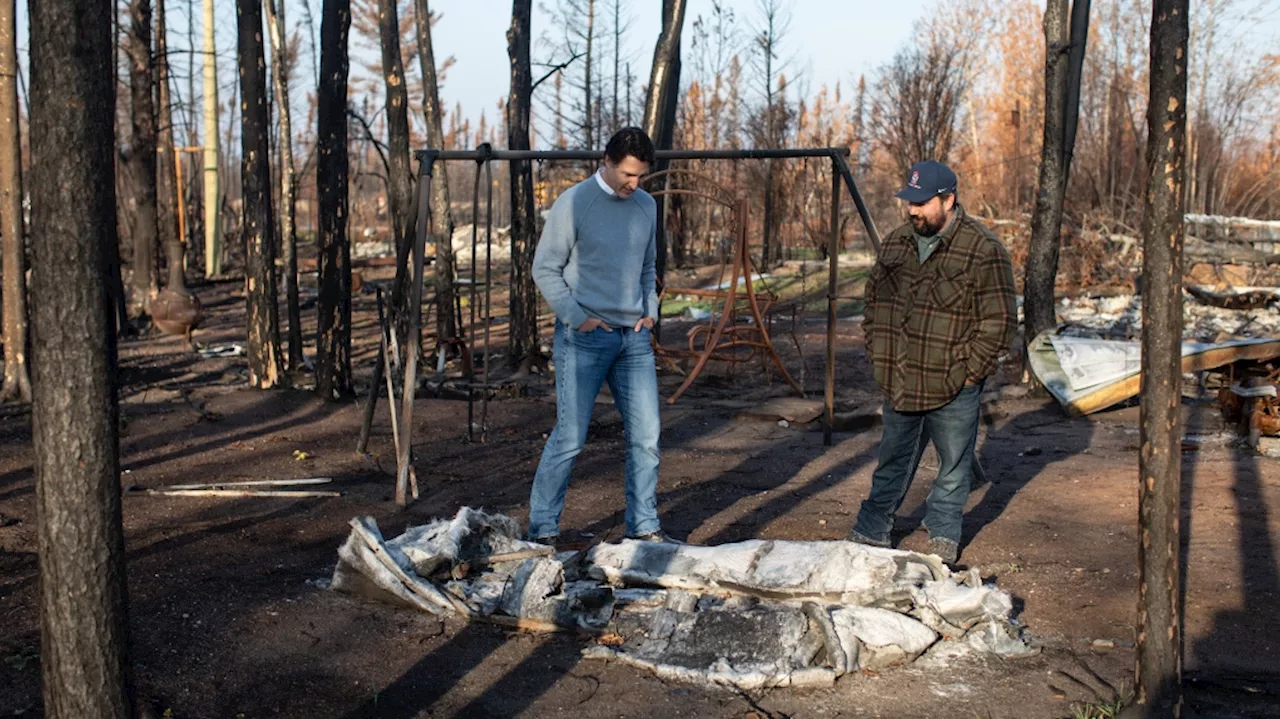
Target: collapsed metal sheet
x,y
1089,375
749,614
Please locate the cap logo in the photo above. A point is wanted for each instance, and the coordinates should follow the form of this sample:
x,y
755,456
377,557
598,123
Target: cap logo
x,y
915,180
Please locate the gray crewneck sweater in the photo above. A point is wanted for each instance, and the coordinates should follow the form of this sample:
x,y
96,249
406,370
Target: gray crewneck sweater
x,y
596,256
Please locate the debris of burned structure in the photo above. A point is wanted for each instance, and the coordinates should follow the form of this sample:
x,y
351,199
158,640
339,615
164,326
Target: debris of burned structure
x,y
748,614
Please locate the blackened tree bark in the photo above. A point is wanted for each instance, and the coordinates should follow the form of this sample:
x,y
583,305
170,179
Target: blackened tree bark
x,y
1063,55
288,181
590,128
143,148
397,119
659,107
83,607
258,227
441,219
522,340
17,384
401,177
333,338
1159,650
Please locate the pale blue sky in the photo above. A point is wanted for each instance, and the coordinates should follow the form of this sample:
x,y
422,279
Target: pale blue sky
x,y
828,41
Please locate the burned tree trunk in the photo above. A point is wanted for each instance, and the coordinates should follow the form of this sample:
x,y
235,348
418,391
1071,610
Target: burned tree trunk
x,y
288,180
333,334
590,128
166,161
441,230
1064,55
83,607
400,182
522,341
1159,660
143,148
257,226
659,105
17,385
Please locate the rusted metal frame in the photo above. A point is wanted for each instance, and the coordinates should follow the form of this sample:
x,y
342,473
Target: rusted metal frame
x,y
755,312
470,374
723,345
741,265
833,277
740,247
872,233
759,154
692,193
488,296
404,460
726,199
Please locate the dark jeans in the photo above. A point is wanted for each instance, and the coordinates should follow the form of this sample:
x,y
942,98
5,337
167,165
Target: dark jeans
x,y
953,428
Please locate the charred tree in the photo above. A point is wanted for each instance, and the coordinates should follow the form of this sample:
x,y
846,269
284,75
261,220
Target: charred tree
x,y
1159,645
166,168
262,309
400,181
522,341
590,128
333,333
397,117
143,149
441,229
1064,57
659,105
17,383
83,606
280,63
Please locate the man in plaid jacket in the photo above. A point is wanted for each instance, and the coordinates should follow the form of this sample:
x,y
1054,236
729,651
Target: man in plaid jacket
x,y
940,310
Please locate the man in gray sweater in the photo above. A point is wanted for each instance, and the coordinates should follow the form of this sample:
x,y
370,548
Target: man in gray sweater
x,y
595,267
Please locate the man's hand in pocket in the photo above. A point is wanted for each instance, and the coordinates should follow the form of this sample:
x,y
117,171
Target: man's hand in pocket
x,y
593,323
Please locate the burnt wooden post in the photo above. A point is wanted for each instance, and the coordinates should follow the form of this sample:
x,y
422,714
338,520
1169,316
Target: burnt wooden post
x,y
404,456
366,424
1159,662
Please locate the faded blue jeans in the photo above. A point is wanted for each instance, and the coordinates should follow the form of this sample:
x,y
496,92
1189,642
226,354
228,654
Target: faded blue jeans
x,y
584,361
953,428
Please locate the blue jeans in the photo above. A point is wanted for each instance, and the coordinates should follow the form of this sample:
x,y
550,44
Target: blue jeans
x,y
584,361
953,428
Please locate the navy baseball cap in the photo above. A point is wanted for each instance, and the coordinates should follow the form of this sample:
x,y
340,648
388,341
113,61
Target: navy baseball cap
x,y
926,180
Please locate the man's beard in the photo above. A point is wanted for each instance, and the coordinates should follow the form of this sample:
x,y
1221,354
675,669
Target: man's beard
x,y
924,227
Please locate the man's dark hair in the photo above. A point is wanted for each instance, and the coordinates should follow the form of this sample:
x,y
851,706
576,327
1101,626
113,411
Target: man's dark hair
x,y
629,141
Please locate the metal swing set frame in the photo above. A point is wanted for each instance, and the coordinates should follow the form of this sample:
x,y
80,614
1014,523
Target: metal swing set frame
x,y
721,336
